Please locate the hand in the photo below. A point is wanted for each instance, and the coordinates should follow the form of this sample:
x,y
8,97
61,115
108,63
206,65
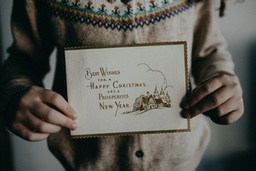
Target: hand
x,y
41,112
220,98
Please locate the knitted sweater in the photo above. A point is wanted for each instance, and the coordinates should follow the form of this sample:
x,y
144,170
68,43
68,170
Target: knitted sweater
x,y
39,26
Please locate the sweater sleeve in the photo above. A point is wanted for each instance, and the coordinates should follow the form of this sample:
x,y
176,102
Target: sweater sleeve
x,y
28,60
209,54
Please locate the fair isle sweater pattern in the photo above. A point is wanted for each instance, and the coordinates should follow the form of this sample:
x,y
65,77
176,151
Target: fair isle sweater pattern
x,y
115,14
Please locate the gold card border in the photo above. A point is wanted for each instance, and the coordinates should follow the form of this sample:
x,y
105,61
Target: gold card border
x,y
188,88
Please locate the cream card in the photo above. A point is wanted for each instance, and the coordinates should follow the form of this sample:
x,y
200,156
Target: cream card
x,y
127,89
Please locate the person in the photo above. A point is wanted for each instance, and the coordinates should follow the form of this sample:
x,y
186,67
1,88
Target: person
x,y
34,113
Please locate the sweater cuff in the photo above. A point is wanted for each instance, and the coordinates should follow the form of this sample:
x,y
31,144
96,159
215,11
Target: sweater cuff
x,y
9,97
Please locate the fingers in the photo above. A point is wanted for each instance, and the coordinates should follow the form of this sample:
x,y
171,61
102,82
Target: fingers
x,y
51,98
228,118
59,103
53,116
50,107
225,108
220,98
201,91
42,112
227,113
37,125
210,102
25,133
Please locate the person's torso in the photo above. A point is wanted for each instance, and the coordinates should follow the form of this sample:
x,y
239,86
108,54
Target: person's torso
x,y
115,22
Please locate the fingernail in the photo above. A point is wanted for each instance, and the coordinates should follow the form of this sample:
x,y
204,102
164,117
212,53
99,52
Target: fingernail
x,y
185,114
75,116
74,126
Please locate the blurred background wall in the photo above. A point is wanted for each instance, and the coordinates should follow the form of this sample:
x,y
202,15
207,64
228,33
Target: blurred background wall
x,y
5,145
231,148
